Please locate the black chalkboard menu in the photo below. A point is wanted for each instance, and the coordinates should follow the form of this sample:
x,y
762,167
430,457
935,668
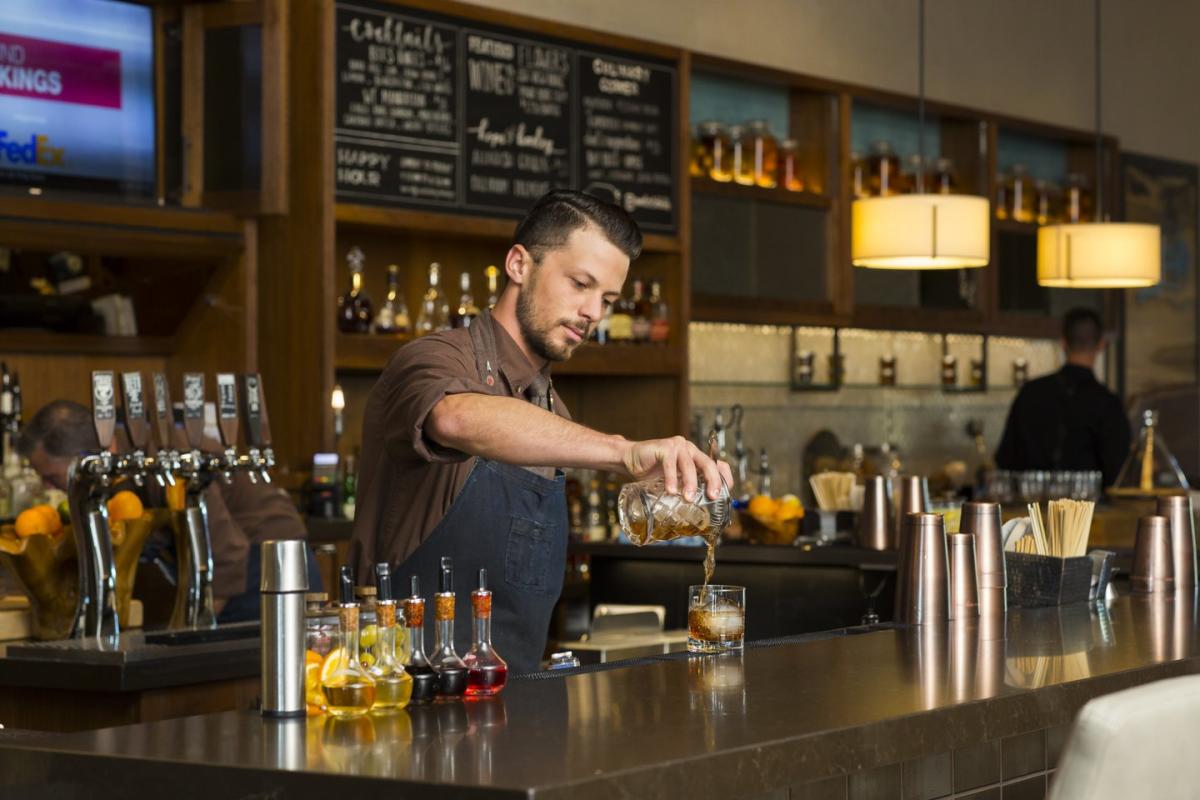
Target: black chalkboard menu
x,y
448,114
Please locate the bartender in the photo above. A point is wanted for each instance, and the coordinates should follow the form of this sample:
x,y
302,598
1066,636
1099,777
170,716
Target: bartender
x,y
464,436
241,515
1068,420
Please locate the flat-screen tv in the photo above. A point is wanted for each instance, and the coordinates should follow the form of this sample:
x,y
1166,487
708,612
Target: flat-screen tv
x,y
77,96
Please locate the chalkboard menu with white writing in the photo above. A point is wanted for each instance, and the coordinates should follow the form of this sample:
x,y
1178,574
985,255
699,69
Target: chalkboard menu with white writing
x,y
449,114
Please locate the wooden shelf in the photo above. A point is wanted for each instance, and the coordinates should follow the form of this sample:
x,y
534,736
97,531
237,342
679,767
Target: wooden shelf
x,y
112,229
366,352
27,341
371,352
387,219
776,195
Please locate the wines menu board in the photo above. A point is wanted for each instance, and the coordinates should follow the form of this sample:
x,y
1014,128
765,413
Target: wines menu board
x,y
447,114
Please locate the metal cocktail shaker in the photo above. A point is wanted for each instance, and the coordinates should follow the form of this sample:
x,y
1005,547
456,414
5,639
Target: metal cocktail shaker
x,y
283,583
1178,511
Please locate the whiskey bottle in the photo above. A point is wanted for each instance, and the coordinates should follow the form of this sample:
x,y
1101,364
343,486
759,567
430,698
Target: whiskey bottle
x,y
467,311
660,318
620,324
393,314
354,307
493,277
434,315
641,314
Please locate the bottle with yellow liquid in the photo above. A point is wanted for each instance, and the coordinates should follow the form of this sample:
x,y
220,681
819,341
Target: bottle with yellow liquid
x,y
393,685
348,688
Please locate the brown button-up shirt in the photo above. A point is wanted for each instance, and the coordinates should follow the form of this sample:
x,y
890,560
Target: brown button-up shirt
x,y
407,481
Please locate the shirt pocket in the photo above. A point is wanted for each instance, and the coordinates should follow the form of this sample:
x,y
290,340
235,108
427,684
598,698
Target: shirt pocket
x,y
527,554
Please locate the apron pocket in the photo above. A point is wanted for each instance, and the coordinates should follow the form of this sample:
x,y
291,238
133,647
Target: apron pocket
x,y
527,554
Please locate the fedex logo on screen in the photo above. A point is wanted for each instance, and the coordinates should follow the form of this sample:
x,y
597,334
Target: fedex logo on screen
x,y
37,151
57,71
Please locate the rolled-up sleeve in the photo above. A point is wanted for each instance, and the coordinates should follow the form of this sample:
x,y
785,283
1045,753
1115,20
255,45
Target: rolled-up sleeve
x,y
418,377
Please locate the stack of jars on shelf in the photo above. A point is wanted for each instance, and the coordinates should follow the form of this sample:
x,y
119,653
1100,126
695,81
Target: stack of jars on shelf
x,y
880,174
1021,198
748,154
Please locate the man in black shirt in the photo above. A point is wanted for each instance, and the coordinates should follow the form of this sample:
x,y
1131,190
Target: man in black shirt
x,y
1068,420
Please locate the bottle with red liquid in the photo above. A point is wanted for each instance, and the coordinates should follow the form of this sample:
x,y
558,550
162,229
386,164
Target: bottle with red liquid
x,y
451,671
418,666
486,671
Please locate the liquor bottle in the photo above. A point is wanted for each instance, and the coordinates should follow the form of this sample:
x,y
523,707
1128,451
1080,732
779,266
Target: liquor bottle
x,y
350,487
348,688
393,683
393,314
602,327
435,311
620,323
424,678
486,671
467,311
354,307
641,313
660,318
452,673
493,276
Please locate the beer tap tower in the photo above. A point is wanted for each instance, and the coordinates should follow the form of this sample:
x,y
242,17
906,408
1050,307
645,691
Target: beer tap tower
x,y
92,477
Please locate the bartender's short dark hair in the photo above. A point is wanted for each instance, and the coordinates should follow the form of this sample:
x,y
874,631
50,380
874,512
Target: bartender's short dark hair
x,y
557,214
63,429
1082,330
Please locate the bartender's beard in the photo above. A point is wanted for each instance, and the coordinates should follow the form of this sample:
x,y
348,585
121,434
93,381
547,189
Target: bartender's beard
x,y
539,333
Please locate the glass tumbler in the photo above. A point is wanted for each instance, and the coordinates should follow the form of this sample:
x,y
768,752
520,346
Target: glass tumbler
x,y
716,618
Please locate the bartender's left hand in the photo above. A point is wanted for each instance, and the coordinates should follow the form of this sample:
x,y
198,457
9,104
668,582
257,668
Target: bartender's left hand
x,y
679,462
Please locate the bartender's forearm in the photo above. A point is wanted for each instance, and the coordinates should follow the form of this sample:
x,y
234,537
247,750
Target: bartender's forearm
x,y
516,432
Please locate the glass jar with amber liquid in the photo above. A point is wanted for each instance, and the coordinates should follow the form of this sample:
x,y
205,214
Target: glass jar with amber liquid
x,y
765,153
1046,202
718,151
859,184
1077,199
743,155
883,170
348,688
1001,206
943,181
697,163
790,177
1020,195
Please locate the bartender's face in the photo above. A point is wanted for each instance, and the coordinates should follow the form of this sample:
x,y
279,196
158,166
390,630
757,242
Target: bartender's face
x,y
565,295
52,469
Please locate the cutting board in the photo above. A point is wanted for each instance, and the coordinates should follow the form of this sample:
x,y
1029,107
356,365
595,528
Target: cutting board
x,y
14,617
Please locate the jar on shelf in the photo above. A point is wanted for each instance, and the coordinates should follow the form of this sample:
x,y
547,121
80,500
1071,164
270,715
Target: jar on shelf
x,y
859,183
1046,203
1021,195
912,181
949,370
743,155
766,153
1077,199
718,151
698,161
943,177
977,372
883,170
887,370
1002,195
789,166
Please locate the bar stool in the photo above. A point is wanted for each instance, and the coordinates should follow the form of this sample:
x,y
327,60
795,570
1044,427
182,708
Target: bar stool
x,y
1141,742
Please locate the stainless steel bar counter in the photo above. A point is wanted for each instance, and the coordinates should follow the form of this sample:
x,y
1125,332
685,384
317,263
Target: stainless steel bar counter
x,y
941,712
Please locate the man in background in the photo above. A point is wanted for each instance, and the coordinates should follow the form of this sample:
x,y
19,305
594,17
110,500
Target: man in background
x,y
1068,420
241,515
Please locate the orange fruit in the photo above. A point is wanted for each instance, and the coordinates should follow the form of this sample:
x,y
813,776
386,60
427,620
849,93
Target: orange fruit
x,y
762,506
53,520
32,522
124,505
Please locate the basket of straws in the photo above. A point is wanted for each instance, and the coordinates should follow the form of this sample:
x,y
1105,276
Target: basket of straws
x,y
1047,566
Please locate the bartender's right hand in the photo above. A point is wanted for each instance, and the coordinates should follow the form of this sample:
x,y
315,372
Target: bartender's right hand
x,y
678,461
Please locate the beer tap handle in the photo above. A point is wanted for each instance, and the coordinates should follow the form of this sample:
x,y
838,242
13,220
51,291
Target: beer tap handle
x,y
104,407
258,427
227,409
162,411
193,408
133,400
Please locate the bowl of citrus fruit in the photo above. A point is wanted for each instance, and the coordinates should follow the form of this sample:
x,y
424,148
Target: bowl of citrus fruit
x,y
772,520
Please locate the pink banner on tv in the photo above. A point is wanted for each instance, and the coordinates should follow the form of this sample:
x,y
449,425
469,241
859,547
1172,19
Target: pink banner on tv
x,y
59,72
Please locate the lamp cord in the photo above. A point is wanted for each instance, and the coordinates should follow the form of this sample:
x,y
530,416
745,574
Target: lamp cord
x,y
1099,137
921,95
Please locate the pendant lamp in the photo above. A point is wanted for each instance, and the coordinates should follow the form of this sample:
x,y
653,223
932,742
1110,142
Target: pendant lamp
x,y
923,230
1100,254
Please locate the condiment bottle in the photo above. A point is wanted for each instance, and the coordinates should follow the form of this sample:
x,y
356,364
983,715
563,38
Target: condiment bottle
x,y
424,678
348,688
452,672
393,683
486,671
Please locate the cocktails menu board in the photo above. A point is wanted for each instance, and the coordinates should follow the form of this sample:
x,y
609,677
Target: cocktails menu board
x,y
448,114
